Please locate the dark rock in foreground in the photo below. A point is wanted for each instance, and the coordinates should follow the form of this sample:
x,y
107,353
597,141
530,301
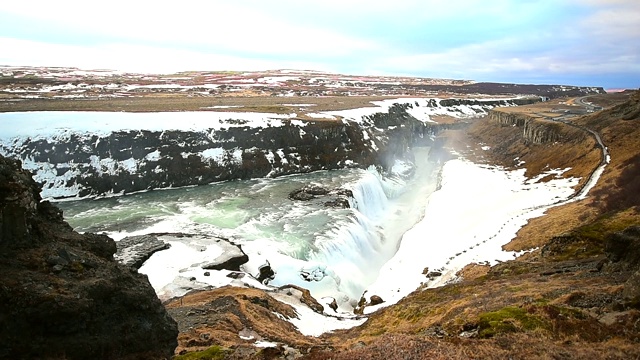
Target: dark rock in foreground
x,y
62,293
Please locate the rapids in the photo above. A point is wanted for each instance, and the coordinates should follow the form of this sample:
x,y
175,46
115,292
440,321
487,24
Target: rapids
x,y
344,249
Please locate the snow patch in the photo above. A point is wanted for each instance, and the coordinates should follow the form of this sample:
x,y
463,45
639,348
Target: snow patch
x,y
463,224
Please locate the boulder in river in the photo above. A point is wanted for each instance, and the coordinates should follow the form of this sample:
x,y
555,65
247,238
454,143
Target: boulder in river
x,y
135,250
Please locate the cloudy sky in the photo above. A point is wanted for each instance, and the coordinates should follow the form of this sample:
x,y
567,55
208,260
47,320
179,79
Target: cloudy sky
x,y
576,42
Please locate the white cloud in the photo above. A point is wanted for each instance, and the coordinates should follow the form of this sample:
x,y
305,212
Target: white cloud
x,y
615,24
146,59
470,39
511,58
216,26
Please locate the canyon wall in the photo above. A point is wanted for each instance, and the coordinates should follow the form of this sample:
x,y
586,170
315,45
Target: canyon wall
x,y
535,130
74,164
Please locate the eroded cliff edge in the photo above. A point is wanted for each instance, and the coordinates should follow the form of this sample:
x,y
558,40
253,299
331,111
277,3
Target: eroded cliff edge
x,y
62,293
535,129
75,164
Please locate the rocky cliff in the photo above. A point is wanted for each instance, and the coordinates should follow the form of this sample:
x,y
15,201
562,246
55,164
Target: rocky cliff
x,y
535,130
74,164
63,296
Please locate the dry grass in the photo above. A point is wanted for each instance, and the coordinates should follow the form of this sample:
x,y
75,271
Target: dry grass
x,y
473,271
216,318
577,149
514,305
609,100
513,346
622,138
171,102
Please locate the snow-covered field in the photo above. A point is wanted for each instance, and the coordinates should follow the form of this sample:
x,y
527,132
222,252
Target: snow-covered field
x,y
419,108
43,124
49,124
476,211
76,83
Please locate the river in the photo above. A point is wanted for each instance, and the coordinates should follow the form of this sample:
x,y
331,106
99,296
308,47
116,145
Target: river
x,y
343,248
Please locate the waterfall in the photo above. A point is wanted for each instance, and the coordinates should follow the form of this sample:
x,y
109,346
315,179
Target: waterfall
x,y
333,252
369,197
356,250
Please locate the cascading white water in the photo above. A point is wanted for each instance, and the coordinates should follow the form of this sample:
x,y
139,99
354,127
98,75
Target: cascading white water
x,y
369,197
332,252
355,250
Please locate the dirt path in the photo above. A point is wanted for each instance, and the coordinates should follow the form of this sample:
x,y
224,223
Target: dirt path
x,y
604,160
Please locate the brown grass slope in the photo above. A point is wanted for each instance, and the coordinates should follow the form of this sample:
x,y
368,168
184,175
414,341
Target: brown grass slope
x,y
179,102
221,316
576,297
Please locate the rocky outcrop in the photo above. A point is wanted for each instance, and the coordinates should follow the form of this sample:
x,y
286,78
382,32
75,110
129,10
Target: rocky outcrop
x,y
303,295
624,248
336,198
549,91
535,130
129,161
509,119
542,131
63,295
375,300
232,257
308,192
237,317
493,103
397,131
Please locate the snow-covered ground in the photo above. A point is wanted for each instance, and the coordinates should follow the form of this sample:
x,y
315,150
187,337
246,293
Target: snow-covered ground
x,y
419,108
46,124
314,324
476,211
175,271
50,123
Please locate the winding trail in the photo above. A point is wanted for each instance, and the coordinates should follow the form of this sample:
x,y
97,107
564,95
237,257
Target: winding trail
x,y
604,159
